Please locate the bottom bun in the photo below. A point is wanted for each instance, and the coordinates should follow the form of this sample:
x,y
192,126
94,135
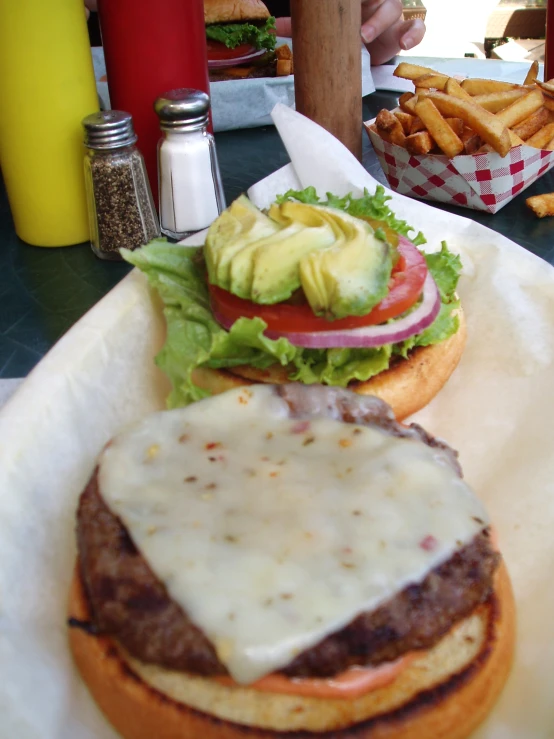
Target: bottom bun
x,y
407,386
444,693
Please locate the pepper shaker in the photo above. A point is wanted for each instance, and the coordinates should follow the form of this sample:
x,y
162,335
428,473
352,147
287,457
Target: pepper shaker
x,y
189,182
120,204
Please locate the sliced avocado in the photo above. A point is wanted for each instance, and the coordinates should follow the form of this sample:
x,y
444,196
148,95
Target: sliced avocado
x,y
239,225
342,267
242,264
350,277
277,261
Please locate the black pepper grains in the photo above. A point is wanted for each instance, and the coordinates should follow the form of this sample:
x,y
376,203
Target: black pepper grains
x,y
121,209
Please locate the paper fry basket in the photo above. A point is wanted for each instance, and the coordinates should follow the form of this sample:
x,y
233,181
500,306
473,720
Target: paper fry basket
x,y
479,181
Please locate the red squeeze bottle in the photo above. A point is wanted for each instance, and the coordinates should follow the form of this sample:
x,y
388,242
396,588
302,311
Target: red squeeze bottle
x,y
151,47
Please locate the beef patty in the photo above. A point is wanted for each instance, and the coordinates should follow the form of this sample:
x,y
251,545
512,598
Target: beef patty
x,y
130,604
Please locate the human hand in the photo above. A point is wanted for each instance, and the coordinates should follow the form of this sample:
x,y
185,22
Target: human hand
x,y
385,32
283,27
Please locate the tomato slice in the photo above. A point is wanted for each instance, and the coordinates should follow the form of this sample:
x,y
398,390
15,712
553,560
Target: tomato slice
x,y
405,287
218,51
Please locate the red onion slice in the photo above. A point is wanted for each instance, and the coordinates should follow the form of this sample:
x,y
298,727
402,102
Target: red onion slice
x,y
369,336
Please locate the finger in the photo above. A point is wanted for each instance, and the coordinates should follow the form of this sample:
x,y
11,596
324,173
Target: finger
x,y
388,44
283,27
377,20
411,33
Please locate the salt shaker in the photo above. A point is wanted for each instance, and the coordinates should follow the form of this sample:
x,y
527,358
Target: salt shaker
x,y
189,182
120,204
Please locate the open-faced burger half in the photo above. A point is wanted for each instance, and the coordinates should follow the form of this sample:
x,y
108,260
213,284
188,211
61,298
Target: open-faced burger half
x,y
287,561
334,292
240,35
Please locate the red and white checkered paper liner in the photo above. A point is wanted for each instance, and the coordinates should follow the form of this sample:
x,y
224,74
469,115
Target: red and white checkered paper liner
x,y
479,181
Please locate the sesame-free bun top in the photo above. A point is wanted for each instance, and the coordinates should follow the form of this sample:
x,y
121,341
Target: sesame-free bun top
x,y
234,11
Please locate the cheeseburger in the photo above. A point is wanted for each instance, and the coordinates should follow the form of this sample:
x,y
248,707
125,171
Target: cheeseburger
x,y
287,561
332,292
241,39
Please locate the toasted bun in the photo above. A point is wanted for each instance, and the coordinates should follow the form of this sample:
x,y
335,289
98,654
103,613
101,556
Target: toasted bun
x,y
407,386
234,11
445,693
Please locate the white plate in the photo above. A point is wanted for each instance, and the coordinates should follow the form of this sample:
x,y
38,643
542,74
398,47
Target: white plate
x,y
237,61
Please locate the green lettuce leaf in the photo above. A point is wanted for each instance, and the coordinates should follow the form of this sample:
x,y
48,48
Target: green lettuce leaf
x,y
445,268
369,206
195,339
235,34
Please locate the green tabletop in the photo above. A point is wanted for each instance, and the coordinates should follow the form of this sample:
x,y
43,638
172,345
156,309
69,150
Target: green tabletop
x,y
43,292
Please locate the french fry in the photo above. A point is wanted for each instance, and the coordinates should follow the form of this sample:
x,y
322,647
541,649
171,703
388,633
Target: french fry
x,y
485,124
542,138
283,52
412,71
549,103
477,86
546,86
494,102
515,140
417,125
406,119
444,136
531,75
470,140
531,125
431,81
541,205
497,101
407,102
284,67
390,124
454,88
419,143
550,145
383,134
456,124
521,109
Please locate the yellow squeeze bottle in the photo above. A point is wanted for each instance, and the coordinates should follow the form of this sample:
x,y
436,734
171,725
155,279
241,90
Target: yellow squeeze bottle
x,y
47,87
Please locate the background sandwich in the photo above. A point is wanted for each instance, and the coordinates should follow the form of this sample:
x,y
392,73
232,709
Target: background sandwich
x,y
199,609
241,41
331,292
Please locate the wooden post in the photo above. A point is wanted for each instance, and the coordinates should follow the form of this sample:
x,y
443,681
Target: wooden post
x,y
549,42
327,66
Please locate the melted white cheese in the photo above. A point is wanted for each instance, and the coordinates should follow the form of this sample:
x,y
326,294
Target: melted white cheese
x,y
272,533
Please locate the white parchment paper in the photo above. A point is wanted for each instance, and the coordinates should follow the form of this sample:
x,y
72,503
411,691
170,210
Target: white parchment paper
x,y
490,69
497,409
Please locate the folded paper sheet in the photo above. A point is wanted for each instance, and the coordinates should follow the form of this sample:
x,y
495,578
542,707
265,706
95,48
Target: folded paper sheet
x,y
491,69
497,410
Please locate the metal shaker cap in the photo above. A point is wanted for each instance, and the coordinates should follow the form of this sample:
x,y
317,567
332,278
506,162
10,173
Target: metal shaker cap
x,y
184,108
109,129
